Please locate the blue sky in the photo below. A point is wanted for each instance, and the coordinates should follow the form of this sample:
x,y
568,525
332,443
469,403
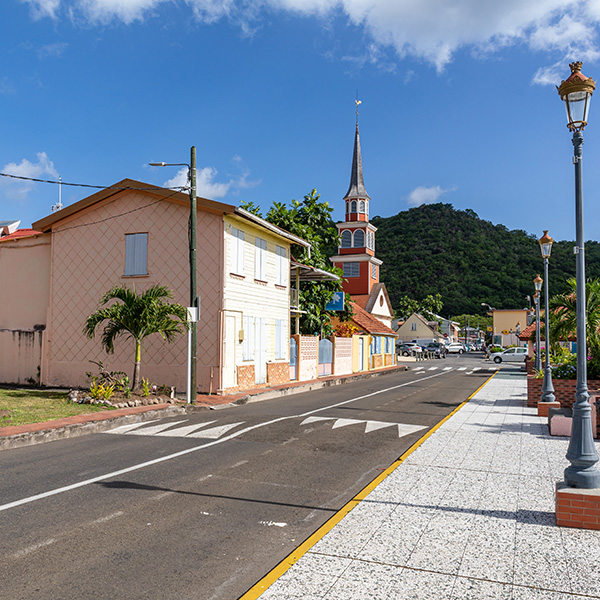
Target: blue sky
x,y
458,102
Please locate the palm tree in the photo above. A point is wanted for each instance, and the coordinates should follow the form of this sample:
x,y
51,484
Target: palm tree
x,y
563,313
137,316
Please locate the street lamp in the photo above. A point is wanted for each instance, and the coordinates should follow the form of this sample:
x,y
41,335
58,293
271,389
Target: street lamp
x,y
547,388
576,92
193,308
537,282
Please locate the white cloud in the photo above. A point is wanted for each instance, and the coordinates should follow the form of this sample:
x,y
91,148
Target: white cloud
x,y
427,195
432,30
52,50
43,8
207,185
19,189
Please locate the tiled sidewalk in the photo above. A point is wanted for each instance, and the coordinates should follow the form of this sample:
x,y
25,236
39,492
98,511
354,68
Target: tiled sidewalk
x,y
468,515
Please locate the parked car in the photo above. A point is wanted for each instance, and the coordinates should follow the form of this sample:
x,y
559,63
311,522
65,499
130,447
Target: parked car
x,y
407,348
455,348
510,355
493,348
439,350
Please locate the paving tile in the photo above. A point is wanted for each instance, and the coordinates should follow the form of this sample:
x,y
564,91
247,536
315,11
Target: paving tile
x,y
423,585
475,589
521,593
365,581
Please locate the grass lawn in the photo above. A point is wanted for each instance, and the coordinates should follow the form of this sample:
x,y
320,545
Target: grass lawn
x,y
22,407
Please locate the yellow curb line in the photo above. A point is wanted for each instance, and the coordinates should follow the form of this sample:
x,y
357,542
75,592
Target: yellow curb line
x,y
257,589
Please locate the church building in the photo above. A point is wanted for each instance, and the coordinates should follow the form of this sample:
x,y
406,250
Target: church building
x,y
356,256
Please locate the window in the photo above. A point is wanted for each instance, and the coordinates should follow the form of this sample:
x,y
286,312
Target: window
x,y
351,269
413,326
280,338
347,207
373,271
359,238
282,265
136,254
237,251
361,206
346,238
248,346
260,259
353,206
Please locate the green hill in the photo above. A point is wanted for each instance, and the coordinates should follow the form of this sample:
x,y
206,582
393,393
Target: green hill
x,y
435,248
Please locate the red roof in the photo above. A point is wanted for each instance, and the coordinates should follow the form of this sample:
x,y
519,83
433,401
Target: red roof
x,y
368,322
20,233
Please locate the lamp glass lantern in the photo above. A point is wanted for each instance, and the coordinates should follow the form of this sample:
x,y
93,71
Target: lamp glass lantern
x,y
576,92
537,282
546,245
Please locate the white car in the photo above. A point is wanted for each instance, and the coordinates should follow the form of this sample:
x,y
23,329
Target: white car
x,y
455,348
510,355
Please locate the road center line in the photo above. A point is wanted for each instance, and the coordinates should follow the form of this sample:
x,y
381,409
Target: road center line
x,y
155,461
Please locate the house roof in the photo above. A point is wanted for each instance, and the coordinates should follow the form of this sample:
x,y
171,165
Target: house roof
x,y
367,301
46,223
527,333
368,322
308,273
20,233
278,230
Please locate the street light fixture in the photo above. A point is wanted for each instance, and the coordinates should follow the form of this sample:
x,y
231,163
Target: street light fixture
x,y
576,92
537,283
194,307
547,388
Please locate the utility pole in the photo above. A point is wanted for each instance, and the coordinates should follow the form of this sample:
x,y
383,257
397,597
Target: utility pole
x,y
193,290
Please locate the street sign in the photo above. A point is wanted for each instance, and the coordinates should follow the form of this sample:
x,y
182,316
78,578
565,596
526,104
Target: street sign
x,y
337,302
490,329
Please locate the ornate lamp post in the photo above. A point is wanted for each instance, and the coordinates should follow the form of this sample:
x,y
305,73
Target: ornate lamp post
x,y
547,387
537,282
576,92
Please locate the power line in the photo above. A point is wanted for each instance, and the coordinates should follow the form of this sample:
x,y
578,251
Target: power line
x,y
97,187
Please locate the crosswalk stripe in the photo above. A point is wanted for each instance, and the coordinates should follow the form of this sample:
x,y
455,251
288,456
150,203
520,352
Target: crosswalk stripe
x,y
375,425
214,432
432,369
184,431
154,430
127,428
447,368
344,422
462,368
476,369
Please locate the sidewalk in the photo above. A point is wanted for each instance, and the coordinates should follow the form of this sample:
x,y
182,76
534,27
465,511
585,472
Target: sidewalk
x,y
468,515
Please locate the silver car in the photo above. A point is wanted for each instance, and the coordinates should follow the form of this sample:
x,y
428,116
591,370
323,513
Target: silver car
x,y
511,355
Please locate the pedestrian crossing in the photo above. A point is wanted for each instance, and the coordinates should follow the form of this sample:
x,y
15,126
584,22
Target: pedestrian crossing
x,y
177,429
421,370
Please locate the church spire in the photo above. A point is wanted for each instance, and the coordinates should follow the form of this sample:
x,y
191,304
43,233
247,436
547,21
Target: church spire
x,y
357,185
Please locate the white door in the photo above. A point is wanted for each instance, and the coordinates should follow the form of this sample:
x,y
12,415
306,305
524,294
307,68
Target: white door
x,y
229,366
260,351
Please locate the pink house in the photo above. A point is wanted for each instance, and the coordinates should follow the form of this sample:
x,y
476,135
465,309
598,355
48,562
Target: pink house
x,y
136,234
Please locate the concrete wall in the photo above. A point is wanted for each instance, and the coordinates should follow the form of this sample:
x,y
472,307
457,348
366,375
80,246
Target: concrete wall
x,y
342,355
24,280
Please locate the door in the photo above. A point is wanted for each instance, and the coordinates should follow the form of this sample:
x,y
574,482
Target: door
x,y
325,357
361,354
229,366
260,351
293,359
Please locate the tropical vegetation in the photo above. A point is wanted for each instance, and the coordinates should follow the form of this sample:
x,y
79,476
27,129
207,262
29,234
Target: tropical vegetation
x,y
136,316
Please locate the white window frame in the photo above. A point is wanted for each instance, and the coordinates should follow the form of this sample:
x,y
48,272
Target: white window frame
x,y
358,233
136,254
248,345
260,259
346,239
282,266
237,251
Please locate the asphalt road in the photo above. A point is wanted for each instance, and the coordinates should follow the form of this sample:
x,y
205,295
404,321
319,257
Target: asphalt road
x,y
202,506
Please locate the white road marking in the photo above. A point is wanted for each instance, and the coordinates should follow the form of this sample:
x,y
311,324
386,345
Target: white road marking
x,y
476,369
238,464
432,369
418,368
214,432
462,368
314,420
126,428
272,524
344,422
408,429
375,425
109,517
30,549
161,459
447,368
183,431
155,429
403,429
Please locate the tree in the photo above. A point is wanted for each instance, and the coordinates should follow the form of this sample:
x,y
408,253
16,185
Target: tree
x,y
311,220
563,314
429,307
137,316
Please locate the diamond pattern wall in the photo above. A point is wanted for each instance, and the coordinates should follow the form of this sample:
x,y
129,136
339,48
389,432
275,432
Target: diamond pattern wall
x,y
88,256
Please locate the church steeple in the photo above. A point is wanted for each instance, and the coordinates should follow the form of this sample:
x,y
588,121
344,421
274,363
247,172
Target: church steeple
x,y
357,185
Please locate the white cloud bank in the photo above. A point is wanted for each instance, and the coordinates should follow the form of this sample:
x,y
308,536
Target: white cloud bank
x,y
207,185
428,29
19,189
427,195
